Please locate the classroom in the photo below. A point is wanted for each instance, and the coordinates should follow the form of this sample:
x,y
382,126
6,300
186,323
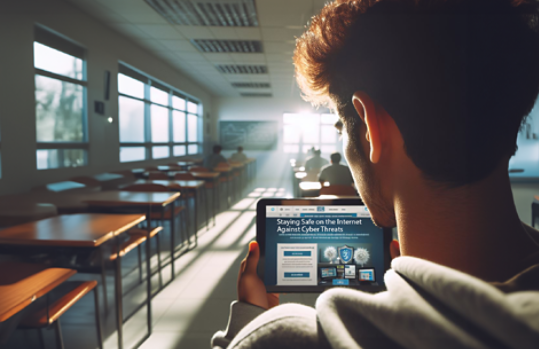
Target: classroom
x,y
137,138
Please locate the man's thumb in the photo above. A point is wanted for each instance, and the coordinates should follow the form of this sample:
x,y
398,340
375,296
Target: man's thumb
x,y
252,257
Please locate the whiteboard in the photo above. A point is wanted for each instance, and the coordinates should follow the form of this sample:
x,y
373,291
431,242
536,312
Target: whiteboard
x,y
251,135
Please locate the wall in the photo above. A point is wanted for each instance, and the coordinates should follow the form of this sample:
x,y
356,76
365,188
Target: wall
x,y
105,48
271,164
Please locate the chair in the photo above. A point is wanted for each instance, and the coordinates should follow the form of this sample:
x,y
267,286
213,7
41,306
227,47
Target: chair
x,y
187,176
198,169
158,175
341,190
51,315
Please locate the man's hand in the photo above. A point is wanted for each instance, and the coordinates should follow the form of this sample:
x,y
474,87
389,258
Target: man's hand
x,y
250,288
394,249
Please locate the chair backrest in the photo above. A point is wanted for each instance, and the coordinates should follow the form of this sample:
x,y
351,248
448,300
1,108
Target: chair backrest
x,y
223,164
151,168
184,176
342,190
198,169
158,175
146,187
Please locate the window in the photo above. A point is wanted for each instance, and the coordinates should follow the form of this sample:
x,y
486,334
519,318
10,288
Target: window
x,y
60,93
156,121
302,132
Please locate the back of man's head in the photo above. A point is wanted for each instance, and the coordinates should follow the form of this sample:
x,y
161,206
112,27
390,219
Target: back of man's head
x,y
457,77
217,149
240,149
335,158
317,152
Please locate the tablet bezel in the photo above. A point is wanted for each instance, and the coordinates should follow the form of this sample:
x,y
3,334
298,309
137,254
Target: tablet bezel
x,y
261,239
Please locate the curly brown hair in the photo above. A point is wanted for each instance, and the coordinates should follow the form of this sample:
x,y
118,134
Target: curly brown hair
x,y
458,77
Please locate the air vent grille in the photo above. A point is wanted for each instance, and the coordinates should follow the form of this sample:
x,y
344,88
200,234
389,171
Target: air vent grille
x,y
242,69
222,13
251,84
233,46
256,94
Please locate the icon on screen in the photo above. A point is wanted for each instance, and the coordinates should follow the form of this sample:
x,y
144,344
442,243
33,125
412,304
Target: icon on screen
x,y
320,209
273,208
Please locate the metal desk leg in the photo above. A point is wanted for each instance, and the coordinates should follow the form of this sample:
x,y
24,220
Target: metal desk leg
x,y
149,272
119,295
196,217
172,242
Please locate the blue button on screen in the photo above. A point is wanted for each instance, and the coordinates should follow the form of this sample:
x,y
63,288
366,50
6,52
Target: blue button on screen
x,y
297,253
341,282
297,275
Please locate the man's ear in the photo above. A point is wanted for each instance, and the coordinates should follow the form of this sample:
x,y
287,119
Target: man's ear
x,y
366,110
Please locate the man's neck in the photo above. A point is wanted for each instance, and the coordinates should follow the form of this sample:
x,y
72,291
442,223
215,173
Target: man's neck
x,y
474,228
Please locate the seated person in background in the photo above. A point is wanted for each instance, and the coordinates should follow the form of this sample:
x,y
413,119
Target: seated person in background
x,y
214,159
336,174
414,83
316,162
239,156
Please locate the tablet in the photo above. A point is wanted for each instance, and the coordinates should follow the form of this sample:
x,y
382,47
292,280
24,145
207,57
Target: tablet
x,y
309,245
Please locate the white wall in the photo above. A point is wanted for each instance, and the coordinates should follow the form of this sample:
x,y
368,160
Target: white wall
x,y
105,48
271,164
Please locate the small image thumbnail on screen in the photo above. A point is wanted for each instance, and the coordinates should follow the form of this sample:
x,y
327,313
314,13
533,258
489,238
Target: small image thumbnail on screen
x,y
341,264
367,275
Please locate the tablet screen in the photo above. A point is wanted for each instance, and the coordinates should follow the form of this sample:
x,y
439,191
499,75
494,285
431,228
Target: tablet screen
x,y
322,246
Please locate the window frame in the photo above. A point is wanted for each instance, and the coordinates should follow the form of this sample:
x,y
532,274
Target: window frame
x,y
54,40
148,144
319,144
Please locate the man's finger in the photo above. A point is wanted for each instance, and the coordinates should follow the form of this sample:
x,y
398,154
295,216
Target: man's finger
x,y
394,249
252,258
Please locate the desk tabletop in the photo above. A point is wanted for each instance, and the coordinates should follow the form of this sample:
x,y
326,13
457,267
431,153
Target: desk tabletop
x,y
205,175
129,198
77,230
21,284
23,208
104,177
173,184
185,163
166,168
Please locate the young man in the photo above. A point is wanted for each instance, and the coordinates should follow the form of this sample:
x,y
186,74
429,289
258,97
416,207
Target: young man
x,y
214,159
239,156
316,162
336,174
431,95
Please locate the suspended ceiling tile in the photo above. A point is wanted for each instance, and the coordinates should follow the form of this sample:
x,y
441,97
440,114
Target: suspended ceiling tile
x,y
248,57
160,31
102,13
126,6
282,47
147,18
224,33
283,12
278,57
280,34
178,45
195,32
219,58
190,56
248,33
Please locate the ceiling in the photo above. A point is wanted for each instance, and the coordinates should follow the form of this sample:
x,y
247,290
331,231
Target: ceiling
x,y
280,22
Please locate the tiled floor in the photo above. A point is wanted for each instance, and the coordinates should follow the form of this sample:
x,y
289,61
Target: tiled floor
x,y
194,305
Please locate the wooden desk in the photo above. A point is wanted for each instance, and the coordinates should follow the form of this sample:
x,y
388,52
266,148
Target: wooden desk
x,y
61,187
21,284
168,168
116,198
210,177
77,230
14,210
177,185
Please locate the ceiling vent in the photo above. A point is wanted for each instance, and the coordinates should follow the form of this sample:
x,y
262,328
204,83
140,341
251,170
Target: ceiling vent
x,y
256,94
242,69
251,84
232,46
220,13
